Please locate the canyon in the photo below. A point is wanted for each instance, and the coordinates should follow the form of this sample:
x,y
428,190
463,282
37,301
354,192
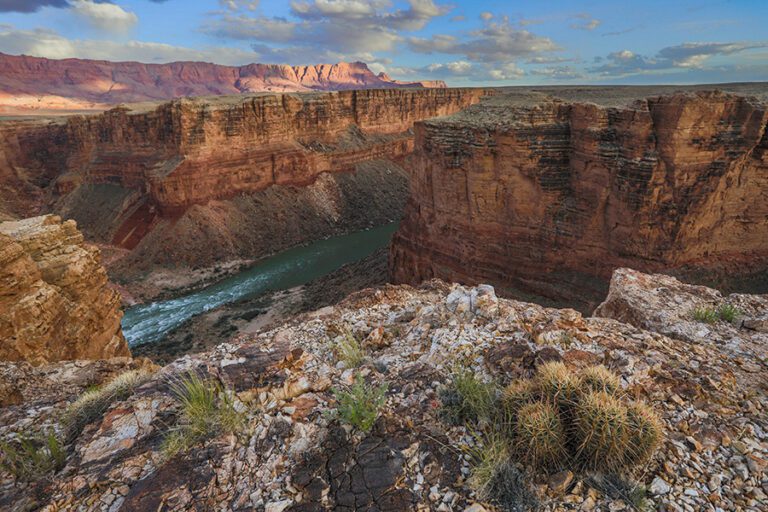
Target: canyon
x,y
195,182
35,84
54,297
544,195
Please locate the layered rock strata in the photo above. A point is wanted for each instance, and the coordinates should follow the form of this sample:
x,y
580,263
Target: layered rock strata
x,y
294,451
54,300
204,170
29,84
544,198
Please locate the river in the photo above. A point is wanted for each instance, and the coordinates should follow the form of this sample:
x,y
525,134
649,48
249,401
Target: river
x,y
148,323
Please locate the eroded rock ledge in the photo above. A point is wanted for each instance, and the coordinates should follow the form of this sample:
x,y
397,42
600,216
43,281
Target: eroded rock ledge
x,y
544,198
294,455
54,300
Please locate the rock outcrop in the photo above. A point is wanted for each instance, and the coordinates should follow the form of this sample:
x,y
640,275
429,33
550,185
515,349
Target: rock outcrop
x,y
545,198
29,84
295,453
54,300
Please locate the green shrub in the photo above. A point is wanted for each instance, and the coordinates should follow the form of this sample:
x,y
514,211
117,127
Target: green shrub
x,y
96,400
468,399
206,411
30,458
705,315
349,350
360,404
728,313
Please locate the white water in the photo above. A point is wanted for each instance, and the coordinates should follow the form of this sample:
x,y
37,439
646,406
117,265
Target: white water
x,y
149,323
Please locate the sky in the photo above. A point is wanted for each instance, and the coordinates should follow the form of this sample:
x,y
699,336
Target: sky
x,y
464,42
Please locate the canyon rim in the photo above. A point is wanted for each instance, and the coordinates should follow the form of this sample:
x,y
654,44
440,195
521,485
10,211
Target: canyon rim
x,y
480,262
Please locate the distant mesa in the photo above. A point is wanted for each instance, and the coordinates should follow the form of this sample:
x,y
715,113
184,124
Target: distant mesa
x,y
35,84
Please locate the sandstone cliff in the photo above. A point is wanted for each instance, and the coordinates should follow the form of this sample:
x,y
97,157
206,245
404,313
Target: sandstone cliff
x,y
222,175
54,300
544,197
33,83
294,452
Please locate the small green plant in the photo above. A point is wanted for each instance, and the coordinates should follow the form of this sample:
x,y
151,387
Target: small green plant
x,y
468,399
487,456
725,312
206,410
360,404
496,479
619,488
96,400
349,350
30,458
705,315
728,312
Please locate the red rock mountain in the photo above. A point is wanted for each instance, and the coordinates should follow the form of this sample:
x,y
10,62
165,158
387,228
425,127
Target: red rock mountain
x,y
39,83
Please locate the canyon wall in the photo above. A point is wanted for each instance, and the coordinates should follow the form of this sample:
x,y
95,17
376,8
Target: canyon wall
x,y
54,301
198,181
29,84
546,198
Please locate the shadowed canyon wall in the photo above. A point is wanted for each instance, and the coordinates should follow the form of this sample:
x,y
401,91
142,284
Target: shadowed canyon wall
x,y
54,300
544,199
198,181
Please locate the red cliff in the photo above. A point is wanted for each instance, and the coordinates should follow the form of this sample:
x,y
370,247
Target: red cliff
x,y
546,198
33,83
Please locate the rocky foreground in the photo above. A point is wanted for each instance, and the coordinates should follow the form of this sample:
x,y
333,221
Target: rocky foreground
x,y
705,378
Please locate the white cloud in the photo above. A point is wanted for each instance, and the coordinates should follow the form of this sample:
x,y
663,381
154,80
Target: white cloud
x,y
585,22
46,43
686,55
105,16
495,42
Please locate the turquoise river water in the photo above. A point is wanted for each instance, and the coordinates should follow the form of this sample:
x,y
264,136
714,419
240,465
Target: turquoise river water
x,y
148,323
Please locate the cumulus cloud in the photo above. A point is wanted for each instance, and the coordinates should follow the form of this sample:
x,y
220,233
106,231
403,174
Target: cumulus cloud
x,y
322,28
495,42
47,43
105,16
687,55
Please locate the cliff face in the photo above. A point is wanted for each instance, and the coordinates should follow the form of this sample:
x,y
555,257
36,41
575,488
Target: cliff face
x,y
32,83
548,198
221,173
54,301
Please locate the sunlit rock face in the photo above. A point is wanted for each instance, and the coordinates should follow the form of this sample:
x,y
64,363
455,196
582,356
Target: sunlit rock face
x,y
548,198
30,84
54,301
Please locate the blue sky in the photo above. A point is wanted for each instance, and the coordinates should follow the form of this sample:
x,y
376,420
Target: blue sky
x,y
460,41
